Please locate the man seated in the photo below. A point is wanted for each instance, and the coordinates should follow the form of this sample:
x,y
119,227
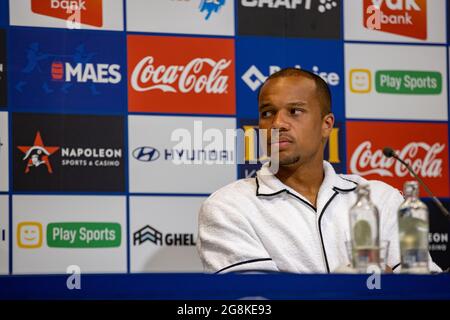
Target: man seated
x,y
295,219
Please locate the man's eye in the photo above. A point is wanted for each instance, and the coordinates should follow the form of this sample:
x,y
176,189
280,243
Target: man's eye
x,y
265,114
296,111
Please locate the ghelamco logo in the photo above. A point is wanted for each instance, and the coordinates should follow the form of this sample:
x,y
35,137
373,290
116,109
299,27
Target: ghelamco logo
x,y
150,234
322,5
89,12
38,154
406,82
402,17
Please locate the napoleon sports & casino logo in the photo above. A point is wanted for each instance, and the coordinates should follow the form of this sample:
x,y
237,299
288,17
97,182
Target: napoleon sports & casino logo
x,y
38,154
401,17
89,12
181,75
69,153
423,146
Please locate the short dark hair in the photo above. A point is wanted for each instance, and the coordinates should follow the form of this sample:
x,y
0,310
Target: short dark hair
x,y
322,89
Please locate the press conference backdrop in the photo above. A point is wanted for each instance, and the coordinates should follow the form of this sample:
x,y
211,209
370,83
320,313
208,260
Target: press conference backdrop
x,y
88,109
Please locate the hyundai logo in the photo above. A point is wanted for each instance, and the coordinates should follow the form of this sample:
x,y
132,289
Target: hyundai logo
x,y
146,154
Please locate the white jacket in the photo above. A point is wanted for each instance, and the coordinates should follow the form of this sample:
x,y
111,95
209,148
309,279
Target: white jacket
x,y
260,224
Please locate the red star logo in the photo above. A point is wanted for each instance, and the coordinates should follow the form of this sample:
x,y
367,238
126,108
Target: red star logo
x,y
37,154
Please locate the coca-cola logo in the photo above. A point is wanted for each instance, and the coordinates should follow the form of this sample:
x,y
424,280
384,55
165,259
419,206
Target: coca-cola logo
x,y
192,77
365,162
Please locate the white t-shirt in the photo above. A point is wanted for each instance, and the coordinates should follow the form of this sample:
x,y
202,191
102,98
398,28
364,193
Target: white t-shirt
x,y
260,224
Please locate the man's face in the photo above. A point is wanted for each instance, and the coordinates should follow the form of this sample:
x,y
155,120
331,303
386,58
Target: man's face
x,y
291,105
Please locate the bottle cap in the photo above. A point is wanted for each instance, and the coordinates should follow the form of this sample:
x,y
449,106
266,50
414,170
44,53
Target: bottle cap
x,y
411,188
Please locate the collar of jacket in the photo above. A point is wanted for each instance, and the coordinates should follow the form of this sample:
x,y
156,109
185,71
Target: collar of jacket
x,y
268,185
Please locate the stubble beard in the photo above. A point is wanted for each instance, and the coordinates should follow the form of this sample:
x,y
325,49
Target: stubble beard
x,y
290,160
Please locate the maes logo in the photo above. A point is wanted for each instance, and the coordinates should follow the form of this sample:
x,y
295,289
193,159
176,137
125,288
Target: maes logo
x,y
89,12
402,17
38,154
210,6
68,69
100,73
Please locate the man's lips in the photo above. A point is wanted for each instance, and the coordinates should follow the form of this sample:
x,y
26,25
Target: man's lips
x,y
282,142
282,139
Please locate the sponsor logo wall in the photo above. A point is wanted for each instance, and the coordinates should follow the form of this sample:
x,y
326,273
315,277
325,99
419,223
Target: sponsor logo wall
x,y
50,235
110,110
291,18
68,153
424,146
181,75
184,17
399,21
71,14
159,245
322,57
63,68
165,160
404,86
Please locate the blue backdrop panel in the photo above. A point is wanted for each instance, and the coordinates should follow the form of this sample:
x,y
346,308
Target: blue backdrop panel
x,y
67,71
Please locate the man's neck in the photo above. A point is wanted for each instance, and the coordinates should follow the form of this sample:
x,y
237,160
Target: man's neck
x,y
306,178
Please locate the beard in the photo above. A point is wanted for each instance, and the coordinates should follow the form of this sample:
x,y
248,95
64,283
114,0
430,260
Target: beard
x,y
286,159
289,160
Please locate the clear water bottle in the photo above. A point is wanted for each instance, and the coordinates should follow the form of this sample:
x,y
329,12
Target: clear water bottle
x,y
364,229
413,230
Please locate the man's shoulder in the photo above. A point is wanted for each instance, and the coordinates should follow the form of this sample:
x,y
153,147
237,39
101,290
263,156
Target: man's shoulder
x,y
235,191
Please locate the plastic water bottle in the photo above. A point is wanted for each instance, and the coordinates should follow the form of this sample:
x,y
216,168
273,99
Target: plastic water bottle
x,y
364,229
413,230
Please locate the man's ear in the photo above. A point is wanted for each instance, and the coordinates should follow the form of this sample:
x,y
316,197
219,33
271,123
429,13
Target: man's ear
x,y
327,125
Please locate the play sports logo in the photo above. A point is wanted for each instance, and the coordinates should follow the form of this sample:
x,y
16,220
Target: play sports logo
x,y
396,82
30,235
402,17
89,12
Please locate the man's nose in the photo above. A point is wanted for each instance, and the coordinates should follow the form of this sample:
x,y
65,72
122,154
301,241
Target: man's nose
x,y
279,121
